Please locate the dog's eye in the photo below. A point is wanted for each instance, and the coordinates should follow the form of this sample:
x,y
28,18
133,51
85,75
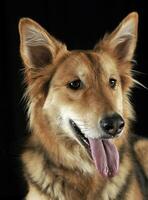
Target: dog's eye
x,y
75,85
112,83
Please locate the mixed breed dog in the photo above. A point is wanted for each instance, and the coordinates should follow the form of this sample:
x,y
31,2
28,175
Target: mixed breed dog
x,y
81,146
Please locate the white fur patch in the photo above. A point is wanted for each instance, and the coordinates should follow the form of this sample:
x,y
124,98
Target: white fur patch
x,y
34,194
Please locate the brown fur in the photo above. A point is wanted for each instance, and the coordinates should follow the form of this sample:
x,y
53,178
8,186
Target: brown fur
x,y
56,165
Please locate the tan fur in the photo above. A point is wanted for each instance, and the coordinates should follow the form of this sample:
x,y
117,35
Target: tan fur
x,y
56,164
134,191
141,149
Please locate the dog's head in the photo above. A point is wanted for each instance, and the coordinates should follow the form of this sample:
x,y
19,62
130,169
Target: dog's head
x,y
83,94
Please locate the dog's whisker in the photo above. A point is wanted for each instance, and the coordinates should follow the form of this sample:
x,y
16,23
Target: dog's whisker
x,y
138,72
139,84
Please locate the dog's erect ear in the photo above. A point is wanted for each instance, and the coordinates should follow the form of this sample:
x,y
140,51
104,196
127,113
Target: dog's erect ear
x,y
122,41
38,48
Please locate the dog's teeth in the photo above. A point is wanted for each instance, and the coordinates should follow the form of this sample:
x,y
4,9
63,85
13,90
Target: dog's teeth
x,y
81,135
85,140
73,123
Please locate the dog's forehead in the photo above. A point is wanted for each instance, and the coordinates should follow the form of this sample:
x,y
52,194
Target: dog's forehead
x,y
86,62
108,63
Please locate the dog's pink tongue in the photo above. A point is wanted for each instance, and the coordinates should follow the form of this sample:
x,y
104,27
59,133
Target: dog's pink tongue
x,y
105,156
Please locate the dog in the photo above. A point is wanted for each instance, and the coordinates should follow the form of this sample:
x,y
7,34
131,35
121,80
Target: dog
x,y
79,113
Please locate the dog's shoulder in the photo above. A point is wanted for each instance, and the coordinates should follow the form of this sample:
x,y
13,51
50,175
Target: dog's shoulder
x,y
141,150
138,150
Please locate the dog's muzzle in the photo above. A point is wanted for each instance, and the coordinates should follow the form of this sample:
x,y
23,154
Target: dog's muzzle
x,y
112,125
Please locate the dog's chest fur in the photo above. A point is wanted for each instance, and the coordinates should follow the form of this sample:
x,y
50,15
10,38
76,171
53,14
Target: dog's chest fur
x,y
56,182
48,181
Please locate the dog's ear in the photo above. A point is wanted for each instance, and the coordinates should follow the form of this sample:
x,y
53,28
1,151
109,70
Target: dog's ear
x,y
37,47
122,41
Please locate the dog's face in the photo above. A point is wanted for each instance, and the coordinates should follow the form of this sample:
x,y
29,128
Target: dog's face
x,y
85,92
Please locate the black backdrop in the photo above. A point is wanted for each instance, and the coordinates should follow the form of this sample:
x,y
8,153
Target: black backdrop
x,y
77,23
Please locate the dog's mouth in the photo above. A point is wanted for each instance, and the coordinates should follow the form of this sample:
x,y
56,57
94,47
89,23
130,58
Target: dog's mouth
x,y
103,152
81,137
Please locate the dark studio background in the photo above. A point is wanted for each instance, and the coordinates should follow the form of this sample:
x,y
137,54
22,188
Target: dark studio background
x,y
77,23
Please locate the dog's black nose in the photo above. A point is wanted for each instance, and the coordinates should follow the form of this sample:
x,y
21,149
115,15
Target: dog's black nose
x,y
112,124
